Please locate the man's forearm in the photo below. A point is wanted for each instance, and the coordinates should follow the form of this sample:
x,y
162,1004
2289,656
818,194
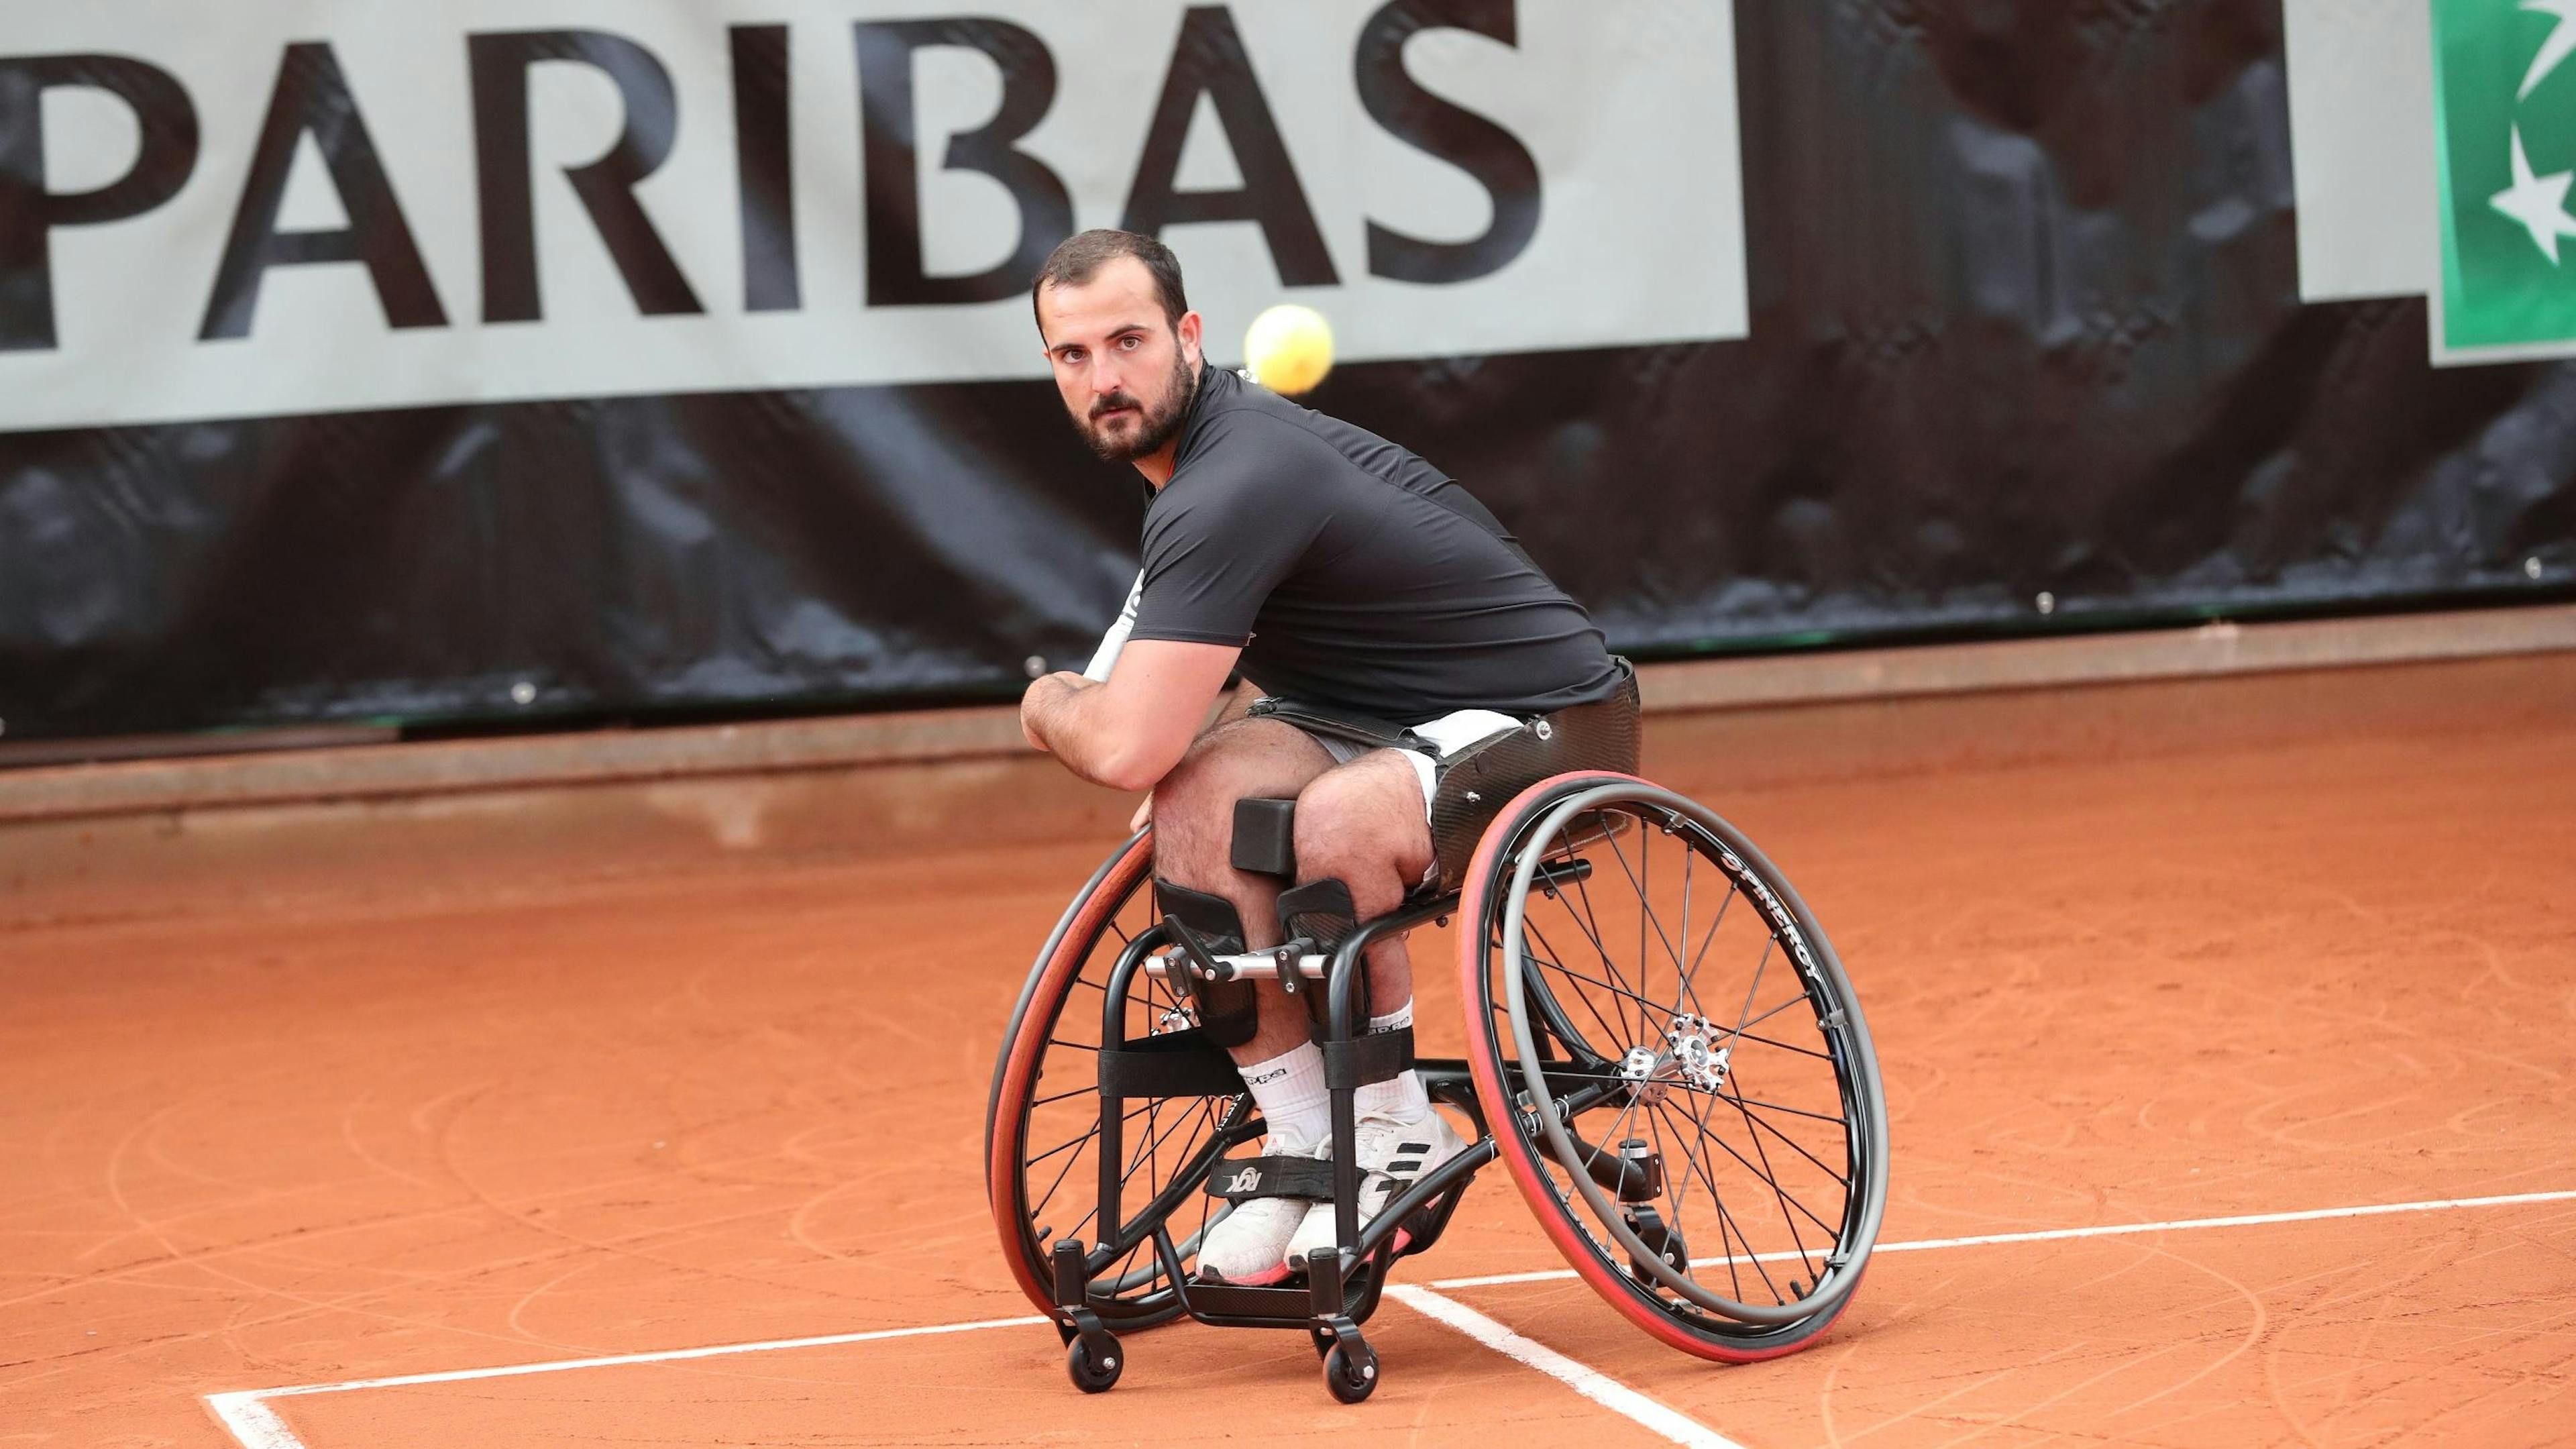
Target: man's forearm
x,y
1060,714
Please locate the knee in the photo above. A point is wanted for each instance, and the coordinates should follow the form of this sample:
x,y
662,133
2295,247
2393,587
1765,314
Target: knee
x,y
1194,811
1347,832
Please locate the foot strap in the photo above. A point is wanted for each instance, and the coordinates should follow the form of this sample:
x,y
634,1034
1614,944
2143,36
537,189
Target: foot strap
x,y
1245,1178
1380,1056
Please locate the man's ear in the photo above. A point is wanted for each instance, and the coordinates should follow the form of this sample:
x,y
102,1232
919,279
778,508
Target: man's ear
x,y
1189,335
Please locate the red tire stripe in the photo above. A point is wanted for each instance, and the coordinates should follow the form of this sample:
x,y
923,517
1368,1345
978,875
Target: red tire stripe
x,y
1057,975
1484,1060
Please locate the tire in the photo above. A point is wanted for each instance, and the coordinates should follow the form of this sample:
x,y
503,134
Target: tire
x,y
1040,1174
1093,1371
1768,1157
1350,1377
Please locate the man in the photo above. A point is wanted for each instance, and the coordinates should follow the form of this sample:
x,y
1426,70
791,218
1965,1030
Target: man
x,y
1334,567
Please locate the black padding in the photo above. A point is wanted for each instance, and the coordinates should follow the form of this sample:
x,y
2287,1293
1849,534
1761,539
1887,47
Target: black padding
x,y
1184,1063
1213,917
1242,1179
1476,783
1378,1057
1265,837
1227,1011
1320,910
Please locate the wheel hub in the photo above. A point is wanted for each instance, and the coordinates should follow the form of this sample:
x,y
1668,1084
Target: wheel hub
x,y
1685,1057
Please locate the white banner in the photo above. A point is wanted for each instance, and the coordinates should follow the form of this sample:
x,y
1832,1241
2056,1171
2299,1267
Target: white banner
x,y
2361,146
289,206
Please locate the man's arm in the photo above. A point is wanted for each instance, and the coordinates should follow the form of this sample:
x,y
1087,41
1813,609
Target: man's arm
x,y
1128,733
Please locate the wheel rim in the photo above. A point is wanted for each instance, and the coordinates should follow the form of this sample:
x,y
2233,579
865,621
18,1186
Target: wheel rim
x,y
1773,1155
1045,1111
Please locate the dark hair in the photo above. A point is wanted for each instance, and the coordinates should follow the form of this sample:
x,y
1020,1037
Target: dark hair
x,y
1079,258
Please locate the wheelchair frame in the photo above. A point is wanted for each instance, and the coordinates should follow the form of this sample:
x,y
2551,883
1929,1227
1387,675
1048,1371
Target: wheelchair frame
x,y
1342,1294
1337,1297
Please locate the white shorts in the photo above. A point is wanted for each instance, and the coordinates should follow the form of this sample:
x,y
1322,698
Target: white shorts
x,y
1442,739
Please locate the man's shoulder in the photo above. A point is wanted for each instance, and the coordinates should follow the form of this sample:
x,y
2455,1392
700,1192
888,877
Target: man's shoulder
x,y
1238,408
1238,446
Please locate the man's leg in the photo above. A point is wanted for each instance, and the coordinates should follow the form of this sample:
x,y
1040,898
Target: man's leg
x,y
1365,824
1194,843
1194,847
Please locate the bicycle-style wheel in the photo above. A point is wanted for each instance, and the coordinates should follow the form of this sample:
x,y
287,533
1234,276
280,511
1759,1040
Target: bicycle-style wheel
x,y
1043,1124
1675,1067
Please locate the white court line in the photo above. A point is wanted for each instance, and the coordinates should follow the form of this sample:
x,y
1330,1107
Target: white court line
x,y
246,1412
1591,1383
254,1425
2106,1230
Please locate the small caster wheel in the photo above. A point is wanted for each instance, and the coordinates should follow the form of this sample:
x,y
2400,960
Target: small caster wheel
x,y
1350,1372
1094,1370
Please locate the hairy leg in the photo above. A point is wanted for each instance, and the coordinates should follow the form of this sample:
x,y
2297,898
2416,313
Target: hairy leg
x,y
1363,824
1194,844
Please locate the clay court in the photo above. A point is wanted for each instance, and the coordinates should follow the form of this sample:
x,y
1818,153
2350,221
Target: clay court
x,y
2225,1021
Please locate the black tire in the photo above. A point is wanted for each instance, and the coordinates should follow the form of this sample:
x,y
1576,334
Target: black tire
x,y
1350,1376
1040,1176
1625,1020
1094,1372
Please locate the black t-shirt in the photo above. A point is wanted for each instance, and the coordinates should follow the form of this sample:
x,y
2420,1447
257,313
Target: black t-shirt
x,y
1352,572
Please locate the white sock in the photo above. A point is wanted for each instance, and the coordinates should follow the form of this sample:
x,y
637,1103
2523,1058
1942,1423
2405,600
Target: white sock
x,y
1289,1090
1400,1097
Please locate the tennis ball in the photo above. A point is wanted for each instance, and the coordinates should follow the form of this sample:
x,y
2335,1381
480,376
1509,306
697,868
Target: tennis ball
x,y
1289,349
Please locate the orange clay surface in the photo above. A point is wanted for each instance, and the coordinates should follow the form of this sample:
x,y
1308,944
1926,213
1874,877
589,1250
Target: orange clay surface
x,y
255,1150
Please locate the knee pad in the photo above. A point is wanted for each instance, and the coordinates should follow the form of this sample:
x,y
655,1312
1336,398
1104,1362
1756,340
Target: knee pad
x,y
1320,910
1227,1013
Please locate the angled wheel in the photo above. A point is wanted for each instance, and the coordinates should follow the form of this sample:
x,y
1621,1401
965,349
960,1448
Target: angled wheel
x,y
1042,1124
1094,1369
1676,1069
1350,1375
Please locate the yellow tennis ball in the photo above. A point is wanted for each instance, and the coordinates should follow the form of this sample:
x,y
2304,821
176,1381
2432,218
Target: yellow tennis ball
x,y
1289,349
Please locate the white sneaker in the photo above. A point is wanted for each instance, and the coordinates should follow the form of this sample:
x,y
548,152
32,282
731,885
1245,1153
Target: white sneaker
x,y
1393,1155
1249,1245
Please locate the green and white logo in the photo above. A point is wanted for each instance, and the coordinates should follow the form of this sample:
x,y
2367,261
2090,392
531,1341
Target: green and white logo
x,y
2505,148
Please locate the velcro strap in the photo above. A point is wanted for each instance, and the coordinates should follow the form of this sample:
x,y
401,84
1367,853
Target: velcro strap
x,y
1176,1064
1377,1057
1245,1178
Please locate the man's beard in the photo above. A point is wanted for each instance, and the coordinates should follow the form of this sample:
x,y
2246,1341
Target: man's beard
x,y
1153,428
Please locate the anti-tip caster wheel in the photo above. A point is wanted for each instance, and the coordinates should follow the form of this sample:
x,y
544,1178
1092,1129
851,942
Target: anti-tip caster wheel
x,y
1094,1369
1350,1371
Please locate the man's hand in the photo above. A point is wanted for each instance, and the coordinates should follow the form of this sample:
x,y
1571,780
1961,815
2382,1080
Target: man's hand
x,y
1129,732
1030,705
1144,812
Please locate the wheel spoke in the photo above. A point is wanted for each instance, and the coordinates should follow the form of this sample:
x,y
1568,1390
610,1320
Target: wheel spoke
x,y
1645,898
1727,1223
1750,991
1591,980
1590,925
1790,1198
1794,1144
1771,1175
1759,1105
1612,1032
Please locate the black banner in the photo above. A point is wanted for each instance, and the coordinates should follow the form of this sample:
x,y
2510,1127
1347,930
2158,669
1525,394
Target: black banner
x,y
2026,352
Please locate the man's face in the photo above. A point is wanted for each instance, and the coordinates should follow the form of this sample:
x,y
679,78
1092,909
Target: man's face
x,y
1126,374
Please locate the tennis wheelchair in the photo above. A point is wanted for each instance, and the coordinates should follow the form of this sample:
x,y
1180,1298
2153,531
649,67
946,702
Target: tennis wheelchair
x,y
1660,1045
